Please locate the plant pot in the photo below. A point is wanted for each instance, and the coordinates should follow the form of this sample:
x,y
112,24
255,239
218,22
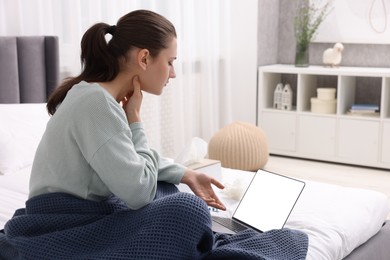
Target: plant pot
x,y
302,55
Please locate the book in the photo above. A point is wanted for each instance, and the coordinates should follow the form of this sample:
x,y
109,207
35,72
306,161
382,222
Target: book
x,y
363,113
365,107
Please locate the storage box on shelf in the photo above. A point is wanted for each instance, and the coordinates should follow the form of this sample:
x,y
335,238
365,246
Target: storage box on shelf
x,y
339,136
325,102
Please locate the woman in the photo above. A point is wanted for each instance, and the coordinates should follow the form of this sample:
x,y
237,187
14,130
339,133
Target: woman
x,y
98,191
93,146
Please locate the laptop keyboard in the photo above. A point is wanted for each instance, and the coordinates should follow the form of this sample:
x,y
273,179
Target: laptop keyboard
x,y
230,224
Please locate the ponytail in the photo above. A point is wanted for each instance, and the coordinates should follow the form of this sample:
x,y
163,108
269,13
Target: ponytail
x,y
100,60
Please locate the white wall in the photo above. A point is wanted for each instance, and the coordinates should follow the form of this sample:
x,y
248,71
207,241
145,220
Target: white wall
x,y
244,59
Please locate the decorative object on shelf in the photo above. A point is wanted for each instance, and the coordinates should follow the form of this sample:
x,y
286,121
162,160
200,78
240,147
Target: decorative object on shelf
x,y
332,56
307,20
278,96
287,97
325,103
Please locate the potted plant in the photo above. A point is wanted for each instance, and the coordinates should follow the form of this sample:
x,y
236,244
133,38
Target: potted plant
x,y
307,20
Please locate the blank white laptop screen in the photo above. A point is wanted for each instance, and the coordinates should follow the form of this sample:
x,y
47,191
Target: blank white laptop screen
x,y
268,201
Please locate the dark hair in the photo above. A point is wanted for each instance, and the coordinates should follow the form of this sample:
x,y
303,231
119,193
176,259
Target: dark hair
x,y
100,60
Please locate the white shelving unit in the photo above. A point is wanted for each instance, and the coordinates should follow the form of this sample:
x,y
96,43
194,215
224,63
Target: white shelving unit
x,y
339,137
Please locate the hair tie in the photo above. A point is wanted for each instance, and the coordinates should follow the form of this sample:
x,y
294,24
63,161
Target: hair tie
x,y
111,30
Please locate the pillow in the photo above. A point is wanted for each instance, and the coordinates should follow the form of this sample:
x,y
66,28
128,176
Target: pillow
x,y
22,126
239,145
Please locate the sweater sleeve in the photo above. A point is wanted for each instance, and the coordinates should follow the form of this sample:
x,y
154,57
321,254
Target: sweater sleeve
x,y
129,174
167,170
119,153
128,169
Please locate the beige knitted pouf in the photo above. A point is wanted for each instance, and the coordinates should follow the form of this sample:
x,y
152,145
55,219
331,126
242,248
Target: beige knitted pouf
x,y
240,146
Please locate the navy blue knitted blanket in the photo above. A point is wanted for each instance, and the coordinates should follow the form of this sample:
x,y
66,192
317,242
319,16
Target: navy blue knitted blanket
x,y
174,226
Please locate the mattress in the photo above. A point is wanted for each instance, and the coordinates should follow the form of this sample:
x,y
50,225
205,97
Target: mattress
x,y
337,219
13,193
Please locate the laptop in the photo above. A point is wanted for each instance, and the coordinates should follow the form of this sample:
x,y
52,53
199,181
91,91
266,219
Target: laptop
x,y
266,204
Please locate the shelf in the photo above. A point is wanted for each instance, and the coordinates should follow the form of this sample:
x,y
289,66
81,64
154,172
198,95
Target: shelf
x,y
320,70
333,136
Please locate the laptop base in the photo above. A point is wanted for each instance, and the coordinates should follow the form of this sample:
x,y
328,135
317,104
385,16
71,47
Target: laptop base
x,y
227,225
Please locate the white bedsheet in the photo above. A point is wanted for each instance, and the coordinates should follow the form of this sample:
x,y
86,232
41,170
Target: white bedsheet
x,y
336,219
13,193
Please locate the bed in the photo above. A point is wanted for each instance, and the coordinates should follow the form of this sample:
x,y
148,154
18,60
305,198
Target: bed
x,y
342,223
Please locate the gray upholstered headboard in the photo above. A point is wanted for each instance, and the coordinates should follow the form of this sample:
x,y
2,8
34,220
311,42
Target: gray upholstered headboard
x,y
29,68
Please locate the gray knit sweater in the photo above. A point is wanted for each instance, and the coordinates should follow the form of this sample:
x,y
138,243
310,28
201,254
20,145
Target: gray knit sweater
x,y
89,150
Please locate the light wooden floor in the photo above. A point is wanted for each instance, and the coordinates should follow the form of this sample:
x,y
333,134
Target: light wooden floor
x,y
344,175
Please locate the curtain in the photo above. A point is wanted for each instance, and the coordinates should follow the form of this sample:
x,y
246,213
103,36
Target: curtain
x,y
196,103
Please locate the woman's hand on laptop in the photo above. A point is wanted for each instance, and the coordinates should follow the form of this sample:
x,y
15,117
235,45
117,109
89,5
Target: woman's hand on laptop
x,y
200,184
